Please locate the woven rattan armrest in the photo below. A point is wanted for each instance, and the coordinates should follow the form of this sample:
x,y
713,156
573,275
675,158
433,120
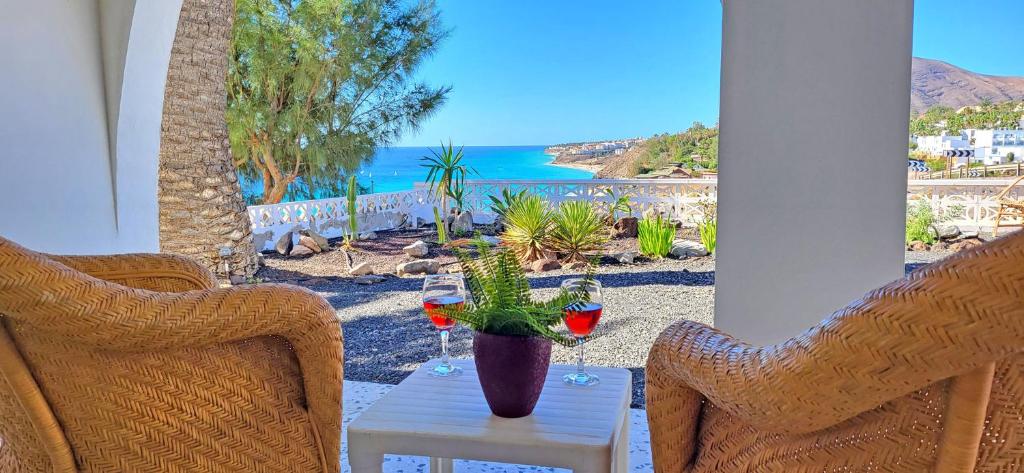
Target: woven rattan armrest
x,y
156,272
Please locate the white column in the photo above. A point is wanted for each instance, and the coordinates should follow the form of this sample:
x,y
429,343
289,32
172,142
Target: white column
x,y
814,129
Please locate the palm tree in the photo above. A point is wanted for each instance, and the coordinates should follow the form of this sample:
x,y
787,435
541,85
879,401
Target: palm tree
x,y
201,204
447,174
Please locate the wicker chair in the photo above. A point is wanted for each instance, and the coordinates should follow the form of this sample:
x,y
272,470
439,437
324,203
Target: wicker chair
x,y
1012,209
139,363
923,374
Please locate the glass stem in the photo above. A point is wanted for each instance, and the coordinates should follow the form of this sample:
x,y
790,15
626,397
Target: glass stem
x,y
579,358
444,348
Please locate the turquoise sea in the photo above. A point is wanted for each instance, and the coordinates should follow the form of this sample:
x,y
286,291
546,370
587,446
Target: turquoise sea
x,y
398,168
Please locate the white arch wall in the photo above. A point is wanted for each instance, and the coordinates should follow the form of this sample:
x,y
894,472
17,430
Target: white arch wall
x,y
81,97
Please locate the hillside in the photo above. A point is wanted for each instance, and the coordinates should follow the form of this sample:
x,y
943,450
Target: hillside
x,y
935,83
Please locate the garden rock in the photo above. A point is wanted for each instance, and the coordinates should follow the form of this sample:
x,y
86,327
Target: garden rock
x,y
627,257
577,265
369,279
284,244
490,240
946,232
309,243
964,244
423,266
462,223
361,269
300,250
687,249
545,264
418,249
918,245
318,238
625,227
368,236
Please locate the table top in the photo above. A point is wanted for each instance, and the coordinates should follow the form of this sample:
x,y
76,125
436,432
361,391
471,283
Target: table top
x,y
454,409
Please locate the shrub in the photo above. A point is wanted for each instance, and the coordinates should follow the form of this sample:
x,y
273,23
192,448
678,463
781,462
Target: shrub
x,y
508,198
656,236
577,229
527,228
920,219
708,226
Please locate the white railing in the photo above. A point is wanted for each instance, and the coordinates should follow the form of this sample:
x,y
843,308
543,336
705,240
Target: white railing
x,y
678,198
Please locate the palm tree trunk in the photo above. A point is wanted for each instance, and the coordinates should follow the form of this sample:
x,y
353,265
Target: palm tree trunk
x,y
201,204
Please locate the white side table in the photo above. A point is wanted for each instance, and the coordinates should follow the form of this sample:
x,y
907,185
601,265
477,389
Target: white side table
x,y
585,429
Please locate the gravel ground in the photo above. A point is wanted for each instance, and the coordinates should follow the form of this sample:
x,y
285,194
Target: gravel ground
x,y
387,336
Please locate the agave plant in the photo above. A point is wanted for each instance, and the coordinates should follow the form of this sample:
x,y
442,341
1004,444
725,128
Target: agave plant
x,y
501,303
527,228
576,230
508,198
656,236
446,172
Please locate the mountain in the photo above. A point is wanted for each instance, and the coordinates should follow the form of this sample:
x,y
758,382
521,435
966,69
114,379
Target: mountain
x,y
938,83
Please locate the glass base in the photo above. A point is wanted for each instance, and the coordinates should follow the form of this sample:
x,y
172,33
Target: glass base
x,y
581,379
445,370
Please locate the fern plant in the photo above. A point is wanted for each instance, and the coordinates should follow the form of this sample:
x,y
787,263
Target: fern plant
x,y
353,218
500,302
655,236
576,229
527,228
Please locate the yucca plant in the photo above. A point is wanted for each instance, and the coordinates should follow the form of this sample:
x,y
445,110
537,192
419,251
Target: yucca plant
x,y
446,172
576,229
508,198
656,236
442,233
500,302
353,217
527,228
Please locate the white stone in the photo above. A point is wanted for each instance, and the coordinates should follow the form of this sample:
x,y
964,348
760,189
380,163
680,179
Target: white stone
x,y
418,249
423,266
490,240
368,236
361,269
687,249
462,223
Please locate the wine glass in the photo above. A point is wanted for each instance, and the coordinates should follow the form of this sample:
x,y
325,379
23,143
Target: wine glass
x,y
443,291
581,318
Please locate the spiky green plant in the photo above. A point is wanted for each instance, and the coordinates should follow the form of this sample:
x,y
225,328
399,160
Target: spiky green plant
x,y
655,236
576,229
446,172
708,226
508,198
501,303
618,203
442,233
527,228
353,217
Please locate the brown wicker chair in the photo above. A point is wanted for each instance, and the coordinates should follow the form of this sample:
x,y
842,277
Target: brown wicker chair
x,y
924,374
139,363
1012,209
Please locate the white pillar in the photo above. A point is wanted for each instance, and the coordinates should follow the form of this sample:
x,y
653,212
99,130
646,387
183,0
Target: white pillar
x,y
814,129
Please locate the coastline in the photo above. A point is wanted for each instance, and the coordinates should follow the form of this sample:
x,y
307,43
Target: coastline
x,y
591,168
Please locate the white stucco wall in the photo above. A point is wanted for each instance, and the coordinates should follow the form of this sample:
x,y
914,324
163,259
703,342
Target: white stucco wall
x,y
58,189
811,214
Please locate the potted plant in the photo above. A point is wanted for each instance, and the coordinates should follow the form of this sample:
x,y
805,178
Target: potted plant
x,y
513,332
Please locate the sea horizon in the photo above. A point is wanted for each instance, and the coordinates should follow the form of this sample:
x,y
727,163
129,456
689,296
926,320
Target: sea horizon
x,y
398,168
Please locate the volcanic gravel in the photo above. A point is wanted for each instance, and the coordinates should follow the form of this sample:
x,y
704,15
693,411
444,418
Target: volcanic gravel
x,y
387,336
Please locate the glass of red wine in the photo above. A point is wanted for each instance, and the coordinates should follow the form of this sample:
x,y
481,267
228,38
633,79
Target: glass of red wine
x,y
581,318
443,291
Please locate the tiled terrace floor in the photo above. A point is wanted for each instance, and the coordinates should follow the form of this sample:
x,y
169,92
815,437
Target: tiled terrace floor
x,y
360,395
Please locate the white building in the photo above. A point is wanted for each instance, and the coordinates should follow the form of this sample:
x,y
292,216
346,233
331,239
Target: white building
x,y
937,145
997,146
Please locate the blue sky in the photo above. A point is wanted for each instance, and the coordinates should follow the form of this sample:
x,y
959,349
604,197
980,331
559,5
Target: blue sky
x,y
545,72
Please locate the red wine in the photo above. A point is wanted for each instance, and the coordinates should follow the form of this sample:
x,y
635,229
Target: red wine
x,y
583,320
432,305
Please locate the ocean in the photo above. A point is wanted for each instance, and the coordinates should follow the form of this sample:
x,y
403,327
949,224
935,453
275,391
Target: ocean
x,y
398,168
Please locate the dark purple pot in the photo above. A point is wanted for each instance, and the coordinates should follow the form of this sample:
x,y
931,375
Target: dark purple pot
x,y
512,371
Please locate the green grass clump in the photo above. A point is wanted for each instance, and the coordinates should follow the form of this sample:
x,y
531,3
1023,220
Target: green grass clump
x,y
656,236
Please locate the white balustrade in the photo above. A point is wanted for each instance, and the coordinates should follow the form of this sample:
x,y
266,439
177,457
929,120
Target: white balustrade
x,y
679,199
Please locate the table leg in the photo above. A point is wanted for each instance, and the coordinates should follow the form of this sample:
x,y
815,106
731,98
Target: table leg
x,y
366,462
620,450
441,465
